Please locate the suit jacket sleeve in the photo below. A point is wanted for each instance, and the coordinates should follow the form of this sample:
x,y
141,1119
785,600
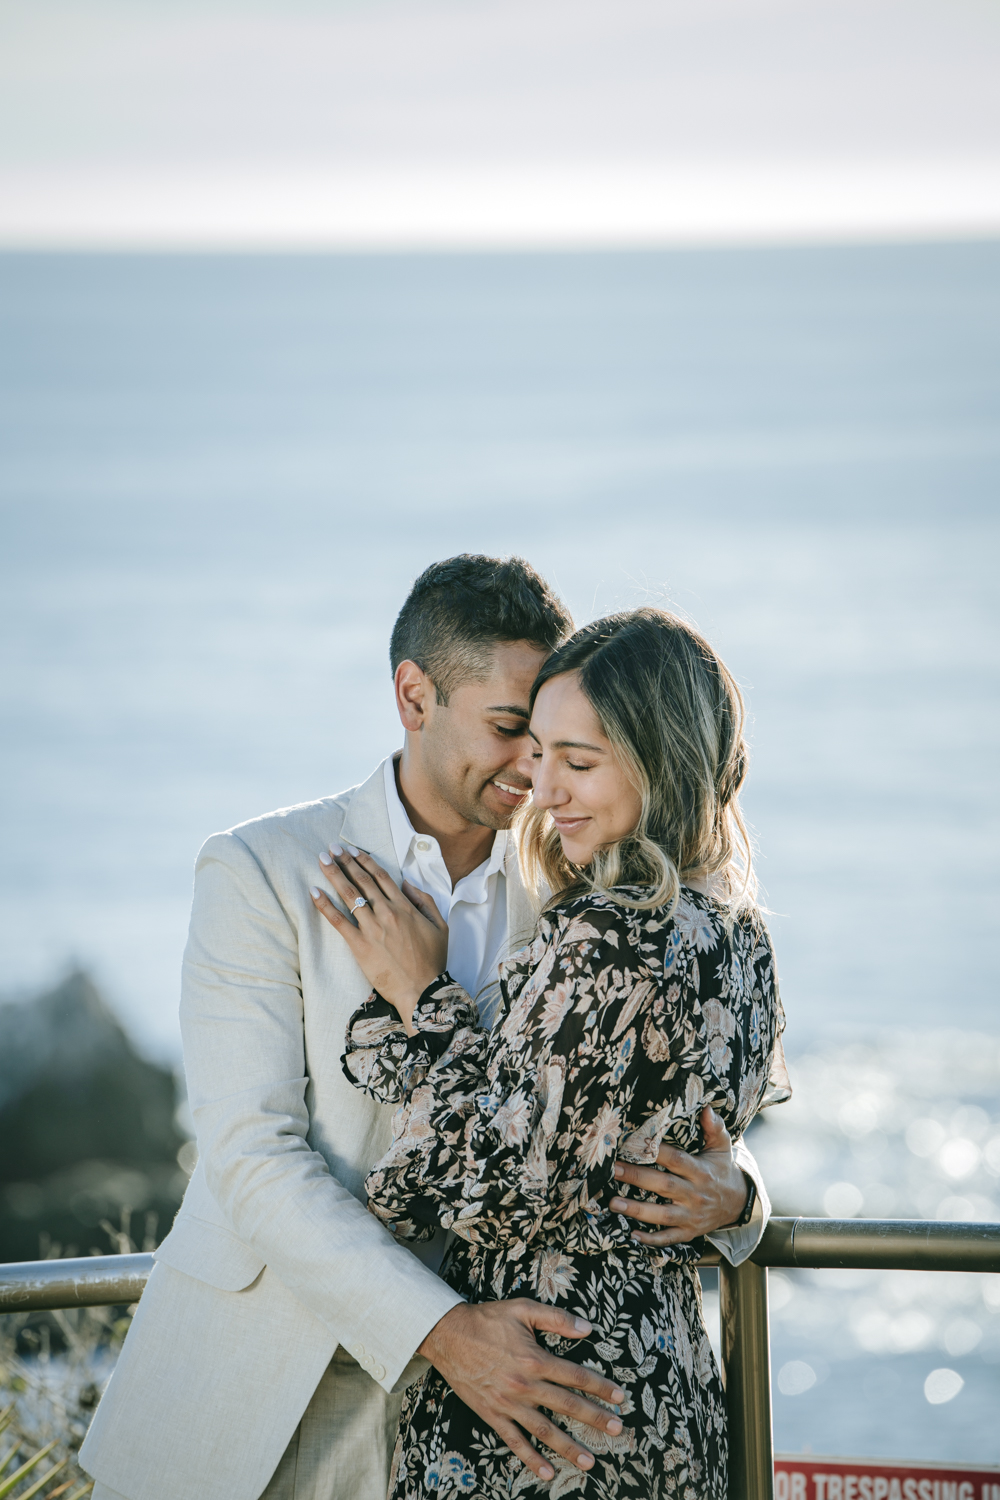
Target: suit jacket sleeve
x,y
244,1053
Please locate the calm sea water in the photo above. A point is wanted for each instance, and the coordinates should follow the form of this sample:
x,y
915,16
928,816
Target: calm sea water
x,y
218,476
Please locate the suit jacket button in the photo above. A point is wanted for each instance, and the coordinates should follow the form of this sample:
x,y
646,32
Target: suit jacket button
x,y
359,1350
379,1372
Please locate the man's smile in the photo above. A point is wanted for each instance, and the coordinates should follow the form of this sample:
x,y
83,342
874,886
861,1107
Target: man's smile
x,y
510,795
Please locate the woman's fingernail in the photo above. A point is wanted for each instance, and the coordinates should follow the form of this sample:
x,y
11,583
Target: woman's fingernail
x,y
336,850
352,851
582,1326
585,1461
546,1473
326,859
617,1396
615,1426
618,1205
619,1170
315,892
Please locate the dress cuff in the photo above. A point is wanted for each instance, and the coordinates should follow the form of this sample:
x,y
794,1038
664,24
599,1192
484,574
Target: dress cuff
x,y
381,1060
376,1049
443,1008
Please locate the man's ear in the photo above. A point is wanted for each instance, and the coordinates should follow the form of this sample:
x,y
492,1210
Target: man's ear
x,y
414,694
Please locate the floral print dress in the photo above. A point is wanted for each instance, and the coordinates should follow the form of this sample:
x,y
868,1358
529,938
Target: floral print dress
x,y
617,1028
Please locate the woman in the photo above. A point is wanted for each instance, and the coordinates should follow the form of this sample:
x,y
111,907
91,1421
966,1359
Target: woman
x,y
647,993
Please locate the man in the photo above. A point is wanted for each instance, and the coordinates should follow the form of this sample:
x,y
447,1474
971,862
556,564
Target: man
x,y
281,1322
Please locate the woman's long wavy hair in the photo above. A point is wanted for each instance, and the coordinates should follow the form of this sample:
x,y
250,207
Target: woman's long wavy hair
x,y
675,718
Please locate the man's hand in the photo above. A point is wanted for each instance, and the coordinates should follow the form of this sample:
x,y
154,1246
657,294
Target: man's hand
x,y
701,1193
489,1356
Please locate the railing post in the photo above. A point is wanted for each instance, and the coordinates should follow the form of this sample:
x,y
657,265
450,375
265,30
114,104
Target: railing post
x,y
746,1362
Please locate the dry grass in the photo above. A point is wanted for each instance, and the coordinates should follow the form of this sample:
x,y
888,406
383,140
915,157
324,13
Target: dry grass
x,y
53,1366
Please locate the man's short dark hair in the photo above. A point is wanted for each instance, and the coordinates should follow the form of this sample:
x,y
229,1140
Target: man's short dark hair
x,y
458,610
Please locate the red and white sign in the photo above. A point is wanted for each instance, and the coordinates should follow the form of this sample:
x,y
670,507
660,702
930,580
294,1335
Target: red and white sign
x,y
807,1477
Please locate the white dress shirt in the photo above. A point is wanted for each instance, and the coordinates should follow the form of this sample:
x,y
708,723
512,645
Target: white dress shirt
x,y
476,913
475,910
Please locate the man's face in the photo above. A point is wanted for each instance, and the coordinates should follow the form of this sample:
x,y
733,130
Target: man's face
x,y
471,746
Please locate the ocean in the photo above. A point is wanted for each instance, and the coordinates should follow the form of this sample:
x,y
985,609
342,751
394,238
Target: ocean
x,y
219,474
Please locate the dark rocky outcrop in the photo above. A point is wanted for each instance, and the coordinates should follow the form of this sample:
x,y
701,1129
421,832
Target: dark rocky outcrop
x,y
87,1127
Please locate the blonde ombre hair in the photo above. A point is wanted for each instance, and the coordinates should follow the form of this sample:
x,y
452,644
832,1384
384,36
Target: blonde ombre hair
x,y
675,718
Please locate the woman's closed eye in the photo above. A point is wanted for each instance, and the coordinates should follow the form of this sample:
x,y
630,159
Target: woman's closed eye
x,y
537,755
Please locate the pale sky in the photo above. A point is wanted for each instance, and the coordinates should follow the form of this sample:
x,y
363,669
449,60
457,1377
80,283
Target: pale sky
x,y
496,122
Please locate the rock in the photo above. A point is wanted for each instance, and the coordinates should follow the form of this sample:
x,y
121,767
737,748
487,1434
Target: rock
x,y
87,1126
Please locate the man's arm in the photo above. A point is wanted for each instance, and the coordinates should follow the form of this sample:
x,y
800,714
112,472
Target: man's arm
x,y
703,1195
739,1242
244,1052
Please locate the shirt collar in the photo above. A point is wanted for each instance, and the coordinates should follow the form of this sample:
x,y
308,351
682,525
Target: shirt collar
x,y
399,824
404,833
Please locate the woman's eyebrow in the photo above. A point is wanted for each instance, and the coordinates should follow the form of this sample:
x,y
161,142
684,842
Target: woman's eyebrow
x,y
569,744
577,745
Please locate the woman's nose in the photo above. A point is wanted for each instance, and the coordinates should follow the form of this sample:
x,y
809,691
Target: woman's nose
x,y
545,791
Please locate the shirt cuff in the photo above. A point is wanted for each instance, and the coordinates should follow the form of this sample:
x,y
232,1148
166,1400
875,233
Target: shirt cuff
x,y
739,1243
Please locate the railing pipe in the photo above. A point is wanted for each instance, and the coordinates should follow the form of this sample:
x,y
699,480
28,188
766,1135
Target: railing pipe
x,y
880,1245
746,1363
94,1281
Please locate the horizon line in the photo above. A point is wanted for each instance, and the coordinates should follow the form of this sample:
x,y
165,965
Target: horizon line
x,y
438,208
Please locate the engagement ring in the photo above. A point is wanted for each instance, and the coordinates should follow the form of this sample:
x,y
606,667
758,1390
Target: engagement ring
x,y
360,902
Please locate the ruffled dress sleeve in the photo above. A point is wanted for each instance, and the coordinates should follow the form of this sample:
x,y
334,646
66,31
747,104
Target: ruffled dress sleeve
x,y
385,1063
392,1068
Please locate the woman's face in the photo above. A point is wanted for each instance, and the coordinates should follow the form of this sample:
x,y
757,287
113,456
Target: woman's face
x,y
574,772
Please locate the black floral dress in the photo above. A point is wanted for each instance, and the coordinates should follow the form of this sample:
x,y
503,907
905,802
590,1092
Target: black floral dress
x,y
618,1026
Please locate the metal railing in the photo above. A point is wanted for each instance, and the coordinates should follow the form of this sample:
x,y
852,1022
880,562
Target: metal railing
x,y
93,1281
830,1244
860,1244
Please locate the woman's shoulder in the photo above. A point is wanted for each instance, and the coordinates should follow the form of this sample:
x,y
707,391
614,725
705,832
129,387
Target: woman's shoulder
x,y
595,909
695,921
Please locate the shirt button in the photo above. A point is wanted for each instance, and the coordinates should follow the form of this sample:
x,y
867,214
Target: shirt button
x,y
423,845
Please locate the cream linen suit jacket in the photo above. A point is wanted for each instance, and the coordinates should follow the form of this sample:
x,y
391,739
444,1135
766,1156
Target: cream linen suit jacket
x,y
280,1263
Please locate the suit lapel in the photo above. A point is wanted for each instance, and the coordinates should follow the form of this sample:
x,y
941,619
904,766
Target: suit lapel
x,y
366,824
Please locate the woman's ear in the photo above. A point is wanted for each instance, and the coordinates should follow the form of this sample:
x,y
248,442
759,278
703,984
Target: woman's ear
x,y
414,690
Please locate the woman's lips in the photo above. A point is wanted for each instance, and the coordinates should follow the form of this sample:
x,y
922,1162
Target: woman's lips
x,y
569,825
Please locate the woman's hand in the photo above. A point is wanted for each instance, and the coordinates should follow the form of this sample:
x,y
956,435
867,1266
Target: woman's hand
x,y
399,938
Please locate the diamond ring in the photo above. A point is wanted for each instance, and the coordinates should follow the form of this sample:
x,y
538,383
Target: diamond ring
x,y
360,902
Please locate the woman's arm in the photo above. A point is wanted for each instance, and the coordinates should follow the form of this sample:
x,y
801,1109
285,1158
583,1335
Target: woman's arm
x,y
500,1135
